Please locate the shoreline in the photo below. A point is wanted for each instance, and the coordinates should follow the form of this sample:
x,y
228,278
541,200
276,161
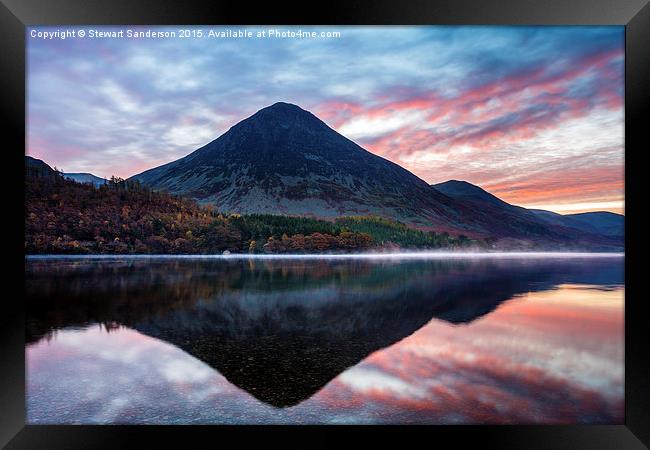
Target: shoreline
x,y
396,255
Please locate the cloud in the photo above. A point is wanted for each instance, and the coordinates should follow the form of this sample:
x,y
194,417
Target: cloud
x,y
372,381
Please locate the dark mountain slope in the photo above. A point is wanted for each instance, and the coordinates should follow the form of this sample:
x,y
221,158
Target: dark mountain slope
x,y
284,160
37,168
562,220
536,225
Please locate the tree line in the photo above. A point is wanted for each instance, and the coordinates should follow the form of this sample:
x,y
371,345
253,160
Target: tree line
x,y
63,216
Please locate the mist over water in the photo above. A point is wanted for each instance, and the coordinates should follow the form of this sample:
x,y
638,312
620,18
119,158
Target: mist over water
x,y
390,339
379,255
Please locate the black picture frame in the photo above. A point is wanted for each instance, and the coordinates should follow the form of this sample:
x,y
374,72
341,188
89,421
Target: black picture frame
x,y
16,15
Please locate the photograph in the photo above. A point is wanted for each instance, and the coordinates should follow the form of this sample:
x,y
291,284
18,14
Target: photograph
x,y
325,225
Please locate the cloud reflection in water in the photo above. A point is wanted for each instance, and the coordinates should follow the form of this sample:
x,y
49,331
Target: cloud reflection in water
x,y
547,357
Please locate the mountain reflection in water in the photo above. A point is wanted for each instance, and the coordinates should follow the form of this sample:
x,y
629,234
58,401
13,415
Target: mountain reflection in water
x,y
281,330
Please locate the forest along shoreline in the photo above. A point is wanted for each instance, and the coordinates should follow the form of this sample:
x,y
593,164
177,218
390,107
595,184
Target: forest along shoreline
x,y
126,217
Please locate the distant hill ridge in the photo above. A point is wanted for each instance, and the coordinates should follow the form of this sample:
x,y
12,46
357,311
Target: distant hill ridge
x,y
602,223
84,177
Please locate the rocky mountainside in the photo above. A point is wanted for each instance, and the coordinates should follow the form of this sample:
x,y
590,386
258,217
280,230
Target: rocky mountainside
x,y
284,160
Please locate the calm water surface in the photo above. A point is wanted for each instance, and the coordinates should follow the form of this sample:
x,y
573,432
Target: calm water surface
x,y
490,341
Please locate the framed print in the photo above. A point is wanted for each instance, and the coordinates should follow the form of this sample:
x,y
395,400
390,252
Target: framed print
x,y
372,218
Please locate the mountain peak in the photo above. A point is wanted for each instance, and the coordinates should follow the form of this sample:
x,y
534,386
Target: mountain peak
x,y
285,115
466,190
282,109
283,106
458,187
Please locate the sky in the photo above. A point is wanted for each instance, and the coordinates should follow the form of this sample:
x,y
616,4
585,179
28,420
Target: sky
x,y
533,115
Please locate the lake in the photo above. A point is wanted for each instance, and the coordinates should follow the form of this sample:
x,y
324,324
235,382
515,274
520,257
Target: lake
x,y
399,340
